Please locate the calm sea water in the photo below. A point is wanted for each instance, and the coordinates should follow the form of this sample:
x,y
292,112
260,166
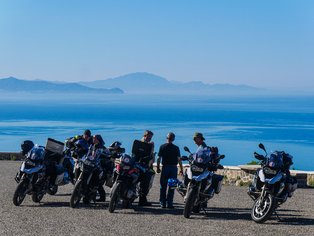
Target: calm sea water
x,y
235,125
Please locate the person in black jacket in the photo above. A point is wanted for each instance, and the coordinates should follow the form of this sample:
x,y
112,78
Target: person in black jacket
x,y
145,155
170,156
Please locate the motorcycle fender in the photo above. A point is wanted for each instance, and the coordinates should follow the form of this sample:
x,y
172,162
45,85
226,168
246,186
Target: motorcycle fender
x,y
275,179
202,176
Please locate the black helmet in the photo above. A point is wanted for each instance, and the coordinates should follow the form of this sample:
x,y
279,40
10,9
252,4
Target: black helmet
x,y
100,139
26,146
87,133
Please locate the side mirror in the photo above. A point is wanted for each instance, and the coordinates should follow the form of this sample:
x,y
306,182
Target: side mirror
x,y
186,149
222,156
261,146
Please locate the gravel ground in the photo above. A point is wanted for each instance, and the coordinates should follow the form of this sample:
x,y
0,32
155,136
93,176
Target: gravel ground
x,y
228,214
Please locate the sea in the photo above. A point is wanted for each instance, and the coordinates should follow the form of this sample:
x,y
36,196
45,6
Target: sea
x,y
235,124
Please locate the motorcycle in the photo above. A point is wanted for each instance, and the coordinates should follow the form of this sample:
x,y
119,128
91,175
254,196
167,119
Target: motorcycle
x,y
272,184
76,149
201,183
95,170
126,179
30,178
64,172
58,163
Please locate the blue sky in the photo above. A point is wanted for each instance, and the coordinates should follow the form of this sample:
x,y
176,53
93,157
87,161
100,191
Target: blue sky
x,y
260,43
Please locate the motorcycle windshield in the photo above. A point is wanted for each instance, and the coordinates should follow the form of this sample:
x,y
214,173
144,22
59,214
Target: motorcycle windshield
x,y
202,157
275,160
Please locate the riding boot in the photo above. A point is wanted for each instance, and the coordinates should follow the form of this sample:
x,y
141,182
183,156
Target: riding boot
x,y
143,201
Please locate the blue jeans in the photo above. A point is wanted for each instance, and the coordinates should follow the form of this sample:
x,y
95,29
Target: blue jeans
x,y
167,172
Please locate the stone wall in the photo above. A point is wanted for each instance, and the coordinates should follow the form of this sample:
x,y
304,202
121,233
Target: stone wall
x,y
12,156
234,175
243,175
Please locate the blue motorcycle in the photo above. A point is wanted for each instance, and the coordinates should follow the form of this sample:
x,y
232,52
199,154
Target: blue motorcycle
x,y
201,183
272,184
30,176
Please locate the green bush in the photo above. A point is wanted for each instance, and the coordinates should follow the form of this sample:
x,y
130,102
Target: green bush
x,y
245,184
311,183
253,162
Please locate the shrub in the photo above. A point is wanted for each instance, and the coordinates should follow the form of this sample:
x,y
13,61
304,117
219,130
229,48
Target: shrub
x,y
245,184
253,162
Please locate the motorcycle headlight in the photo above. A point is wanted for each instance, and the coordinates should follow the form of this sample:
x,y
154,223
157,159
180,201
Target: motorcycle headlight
x,y
126,167
269,171
29,162
195,168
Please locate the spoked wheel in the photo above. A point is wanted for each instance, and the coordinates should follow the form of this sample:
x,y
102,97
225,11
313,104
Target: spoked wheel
x,y
114,197
76,194
189,202
263,209
20,193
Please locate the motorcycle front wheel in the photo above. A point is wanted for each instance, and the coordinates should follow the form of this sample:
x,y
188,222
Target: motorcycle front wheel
x,y
189,202
20,193
262,210
76,194
114,196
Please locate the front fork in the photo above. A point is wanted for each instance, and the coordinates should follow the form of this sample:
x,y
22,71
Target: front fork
x,y
194,185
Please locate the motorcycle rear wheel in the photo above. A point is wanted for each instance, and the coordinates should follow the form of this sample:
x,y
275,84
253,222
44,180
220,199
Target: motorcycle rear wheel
x,y
114,197
189,202
76,194
37,195
262,211
52,190
20,193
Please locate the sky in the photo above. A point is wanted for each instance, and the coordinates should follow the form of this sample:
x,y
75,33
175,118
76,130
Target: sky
x,y
259,43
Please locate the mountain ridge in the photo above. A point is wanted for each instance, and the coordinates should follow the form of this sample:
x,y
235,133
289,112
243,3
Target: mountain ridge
x,y
12,84
143,82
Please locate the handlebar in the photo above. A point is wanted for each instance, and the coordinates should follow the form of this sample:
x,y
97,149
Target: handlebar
x,y
259,156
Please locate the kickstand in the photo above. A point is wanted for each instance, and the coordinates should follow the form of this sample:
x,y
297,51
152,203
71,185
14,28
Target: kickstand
x,y
277,216
203,208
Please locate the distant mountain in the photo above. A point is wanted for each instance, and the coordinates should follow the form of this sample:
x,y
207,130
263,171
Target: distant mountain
x,y
12,84
143,82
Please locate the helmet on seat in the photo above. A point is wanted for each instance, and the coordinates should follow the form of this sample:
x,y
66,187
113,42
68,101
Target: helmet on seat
x,y
26,146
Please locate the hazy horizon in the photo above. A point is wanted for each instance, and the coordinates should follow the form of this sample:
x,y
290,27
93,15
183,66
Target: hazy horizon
x,y
265,44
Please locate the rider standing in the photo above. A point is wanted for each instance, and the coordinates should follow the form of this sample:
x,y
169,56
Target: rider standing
x,y
97,150
145,178
170,155
199,141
